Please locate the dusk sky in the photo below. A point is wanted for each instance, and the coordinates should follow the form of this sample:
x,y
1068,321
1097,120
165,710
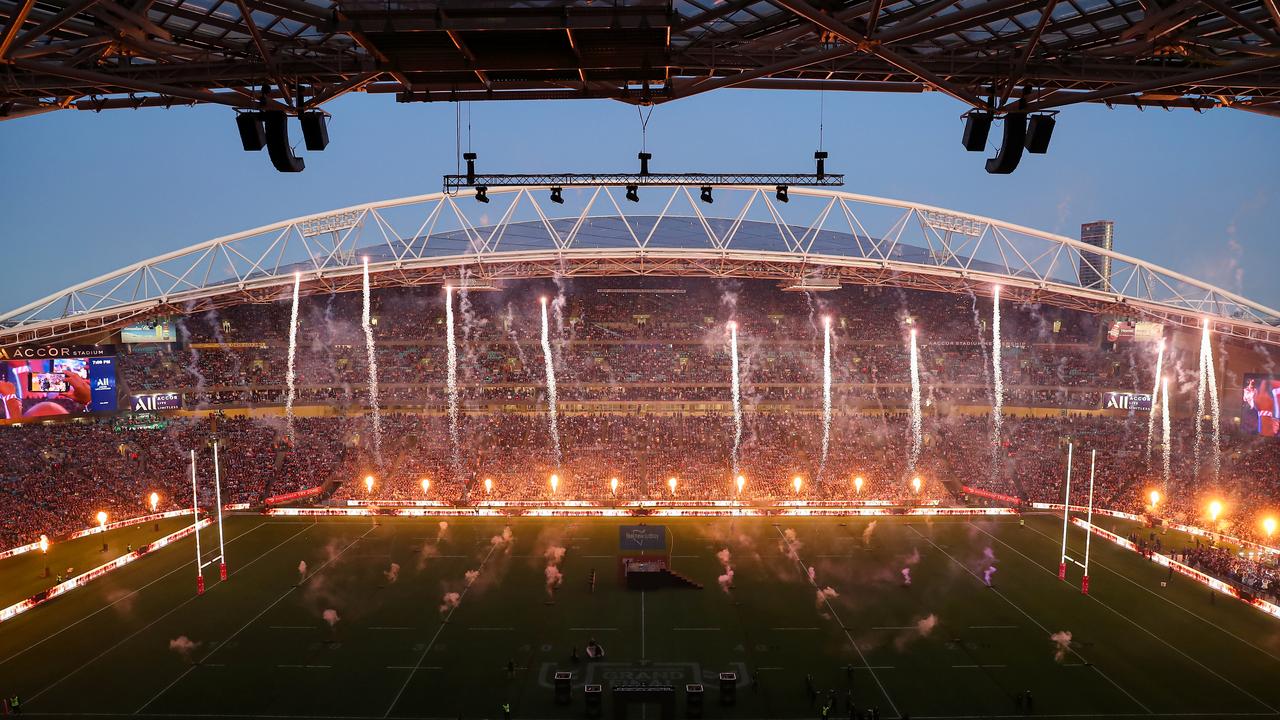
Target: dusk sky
x,y
86,193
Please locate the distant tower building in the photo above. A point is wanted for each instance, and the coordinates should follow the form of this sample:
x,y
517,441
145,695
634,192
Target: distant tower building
x,y
1095,269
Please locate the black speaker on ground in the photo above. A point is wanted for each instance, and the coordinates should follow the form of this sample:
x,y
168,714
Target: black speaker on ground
x,y
728,688
977,126
562,685
1039,132
594,695
315,130
253,137
1015,134
693,700
278,142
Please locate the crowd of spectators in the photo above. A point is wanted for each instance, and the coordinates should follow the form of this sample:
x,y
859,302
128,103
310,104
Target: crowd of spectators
x,y
644,387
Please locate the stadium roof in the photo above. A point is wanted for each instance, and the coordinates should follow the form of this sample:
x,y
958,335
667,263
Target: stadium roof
x,y
818,239
296,55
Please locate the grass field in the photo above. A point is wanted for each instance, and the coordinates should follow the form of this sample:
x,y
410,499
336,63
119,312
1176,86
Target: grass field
x,y
264,648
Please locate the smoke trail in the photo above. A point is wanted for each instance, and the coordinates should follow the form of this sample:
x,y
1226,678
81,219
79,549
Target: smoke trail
x,y
554,555
330,616
451,383
917,425
824,595
289,377
826,395
450,601
1165,434
868,532
906,576
997,380
925,625
302,570
365,322
1155,395
737,396
392,573
988,574
790,545
552,421
444,527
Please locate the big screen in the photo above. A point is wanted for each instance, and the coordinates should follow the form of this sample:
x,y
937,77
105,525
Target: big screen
x,y
1260,405
52,381
159,330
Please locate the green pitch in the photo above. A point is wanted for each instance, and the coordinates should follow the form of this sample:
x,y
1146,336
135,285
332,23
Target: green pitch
x,y
944,646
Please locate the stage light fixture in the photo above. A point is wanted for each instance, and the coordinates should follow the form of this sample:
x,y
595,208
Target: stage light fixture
x,y
782,194
482,194
632,193
471,167
556,197
706,195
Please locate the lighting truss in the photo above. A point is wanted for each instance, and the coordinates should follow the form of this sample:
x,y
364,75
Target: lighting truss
x,y
459,182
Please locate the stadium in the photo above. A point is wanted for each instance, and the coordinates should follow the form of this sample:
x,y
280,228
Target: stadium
x,y
793,452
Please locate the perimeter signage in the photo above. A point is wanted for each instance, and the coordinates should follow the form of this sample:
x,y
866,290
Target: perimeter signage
x,y
1126,401
155,402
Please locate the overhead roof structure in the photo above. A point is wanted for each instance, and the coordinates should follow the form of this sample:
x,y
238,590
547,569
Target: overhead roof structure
x,y
818,240
296,55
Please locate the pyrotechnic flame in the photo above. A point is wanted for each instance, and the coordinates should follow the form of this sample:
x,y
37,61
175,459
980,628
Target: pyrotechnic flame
x,y
1154,497
741,482
1268,526
671,483
555,483
290,376
44,543
366,322
552,404
796,484
857,484
368,483
426,485
102,518
915,484
154,500
488,486
1215,510
613,485
451,383
737,394
917,423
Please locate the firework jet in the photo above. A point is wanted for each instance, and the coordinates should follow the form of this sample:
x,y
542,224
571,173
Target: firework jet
x,y
451,382
375,411
290,375
1209,387
997,379
826,394
917,424
1165,434
1155,397
737,396
552,422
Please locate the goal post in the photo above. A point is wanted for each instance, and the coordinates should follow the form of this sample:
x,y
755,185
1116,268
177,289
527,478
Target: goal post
x,y
1066,522
221,557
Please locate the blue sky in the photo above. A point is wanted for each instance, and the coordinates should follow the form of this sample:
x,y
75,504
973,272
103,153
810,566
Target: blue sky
x,y
87,192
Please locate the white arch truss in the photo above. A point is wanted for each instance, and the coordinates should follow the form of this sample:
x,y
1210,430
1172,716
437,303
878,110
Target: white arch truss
x,y
818,239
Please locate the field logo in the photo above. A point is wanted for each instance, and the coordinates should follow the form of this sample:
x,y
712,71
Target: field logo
x,y
642,537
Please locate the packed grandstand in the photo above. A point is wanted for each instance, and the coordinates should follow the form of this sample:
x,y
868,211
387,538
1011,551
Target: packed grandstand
x,y
644,380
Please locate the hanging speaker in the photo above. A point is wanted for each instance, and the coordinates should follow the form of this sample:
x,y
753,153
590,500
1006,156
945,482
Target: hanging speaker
x,y
977,125
253,136
282,157
1039,132
1015,134
315,130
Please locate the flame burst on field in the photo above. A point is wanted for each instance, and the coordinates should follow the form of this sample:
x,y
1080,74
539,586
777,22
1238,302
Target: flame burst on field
x,y
553,424
290,375
451,383
375,412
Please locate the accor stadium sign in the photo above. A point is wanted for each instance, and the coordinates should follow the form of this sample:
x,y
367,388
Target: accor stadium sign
x,y
25,352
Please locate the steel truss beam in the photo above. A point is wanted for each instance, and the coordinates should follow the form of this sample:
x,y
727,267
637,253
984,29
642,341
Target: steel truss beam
x,y
101,54
820,234
459,182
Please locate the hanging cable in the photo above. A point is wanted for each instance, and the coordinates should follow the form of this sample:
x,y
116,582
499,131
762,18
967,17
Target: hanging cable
x,y
644,126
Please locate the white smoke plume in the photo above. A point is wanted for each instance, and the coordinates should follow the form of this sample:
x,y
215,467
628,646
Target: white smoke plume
x,y
330,616
554,578
502,541
1061,644
906,576
444,527
553,423
290,374
184,646
868,532
824,595
449,602
789,545
988,574
813,574
726,578
926,625
471,576
392,573
302,570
